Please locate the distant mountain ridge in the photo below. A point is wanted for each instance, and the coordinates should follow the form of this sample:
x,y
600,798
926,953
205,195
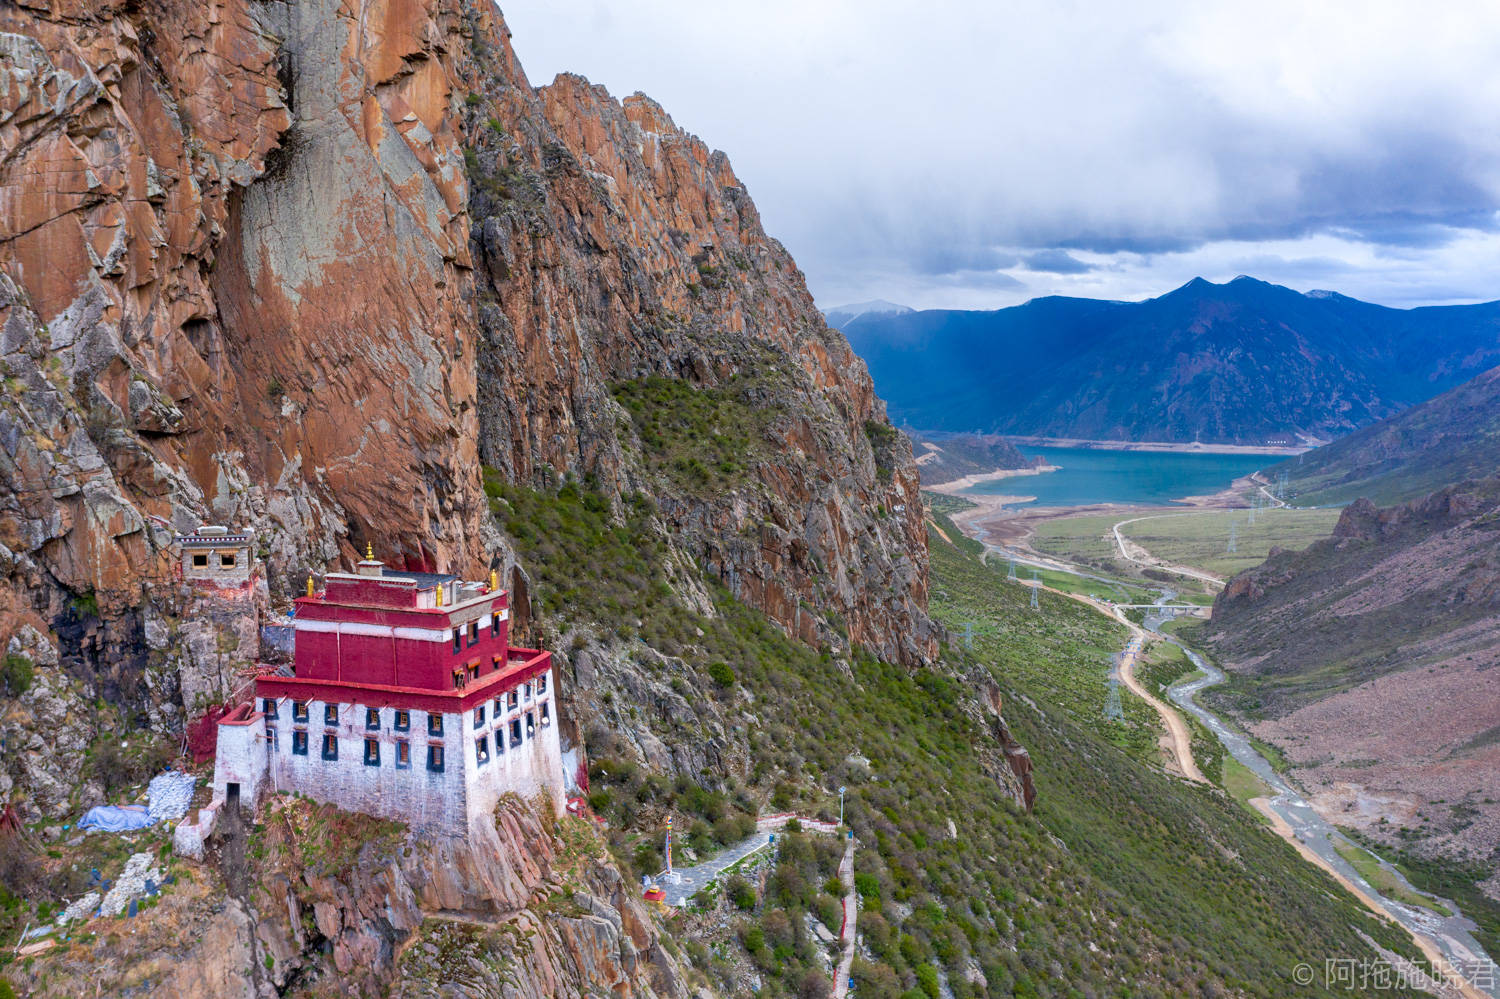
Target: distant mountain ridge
x,y
1451,438
841,315
1244,362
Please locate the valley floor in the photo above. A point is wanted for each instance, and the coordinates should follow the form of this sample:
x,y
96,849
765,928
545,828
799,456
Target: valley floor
x,y
1177,752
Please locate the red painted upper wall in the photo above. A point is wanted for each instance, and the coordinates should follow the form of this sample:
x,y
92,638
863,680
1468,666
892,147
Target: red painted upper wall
x,y
387,631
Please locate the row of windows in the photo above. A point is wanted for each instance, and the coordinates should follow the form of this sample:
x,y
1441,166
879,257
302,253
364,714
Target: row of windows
x,y
510,703
372,750
473,632
200,560
401,723
435,762
402,720
482,744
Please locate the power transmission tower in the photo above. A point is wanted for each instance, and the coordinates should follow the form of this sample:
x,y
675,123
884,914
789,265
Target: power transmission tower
x,y
1036,586
1112,707
968,635
1012,576
1233,545
1254,505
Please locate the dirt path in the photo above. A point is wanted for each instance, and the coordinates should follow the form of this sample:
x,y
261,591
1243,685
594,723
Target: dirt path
x,y
1181,740
941,533
846,932
1178,733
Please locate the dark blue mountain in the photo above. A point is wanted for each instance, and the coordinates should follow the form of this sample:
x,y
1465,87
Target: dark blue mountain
x,y
1241,362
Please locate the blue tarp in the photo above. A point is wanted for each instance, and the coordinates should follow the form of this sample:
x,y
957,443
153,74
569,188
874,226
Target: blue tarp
x,y
116,818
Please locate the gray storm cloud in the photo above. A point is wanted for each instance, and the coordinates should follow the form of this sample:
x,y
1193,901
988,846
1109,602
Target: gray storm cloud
x,y
975,154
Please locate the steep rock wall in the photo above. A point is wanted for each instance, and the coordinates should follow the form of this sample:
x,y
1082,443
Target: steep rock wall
x,y
304,266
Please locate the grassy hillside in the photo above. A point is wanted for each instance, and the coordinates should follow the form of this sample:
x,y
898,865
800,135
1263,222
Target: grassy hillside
x,y
1123,882
1368,661
1448,439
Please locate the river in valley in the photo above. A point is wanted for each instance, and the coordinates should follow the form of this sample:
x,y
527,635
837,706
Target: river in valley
x,y
1452,934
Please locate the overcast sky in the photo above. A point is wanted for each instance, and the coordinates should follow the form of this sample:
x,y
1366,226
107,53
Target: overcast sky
x,y
975,155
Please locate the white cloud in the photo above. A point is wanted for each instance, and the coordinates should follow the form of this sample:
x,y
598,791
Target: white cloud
x,y
879,137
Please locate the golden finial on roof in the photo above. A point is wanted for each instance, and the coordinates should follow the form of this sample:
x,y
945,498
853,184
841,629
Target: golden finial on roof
x,y
494,580
309,584
440,594
369,551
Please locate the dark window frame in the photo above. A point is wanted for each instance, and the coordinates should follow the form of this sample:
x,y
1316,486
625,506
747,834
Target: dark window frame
x,y
479,716
372,719
434,723
299,742
330,747
403,721
268,707
372,752
515,732
458,642
482,750
228,561
435,759
299,711
200,564
403,754
330,714
474,632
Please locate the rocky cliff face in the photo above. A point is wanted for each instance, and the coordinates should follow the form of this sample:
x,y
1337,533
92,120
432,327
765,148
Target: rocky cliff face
x,y
331,904
309,267
306,266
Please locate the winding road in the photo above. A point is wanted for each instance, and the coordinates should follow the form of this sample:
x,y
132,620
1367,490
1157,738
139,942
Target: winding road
x,y
1127,547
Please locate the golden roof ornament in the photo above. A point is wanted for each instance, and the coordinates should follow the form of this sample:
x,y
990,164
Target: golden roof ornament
x,y
309,584
369,551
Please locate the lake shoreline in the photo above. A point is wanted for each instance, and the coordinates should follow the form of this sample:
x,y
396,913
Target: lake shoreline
x,y
956,487
1164,447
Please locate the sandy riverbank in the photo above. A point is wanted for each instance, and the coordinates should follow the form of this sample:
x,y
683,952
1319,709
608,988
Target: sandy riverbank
x,y
1194,448
957,486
